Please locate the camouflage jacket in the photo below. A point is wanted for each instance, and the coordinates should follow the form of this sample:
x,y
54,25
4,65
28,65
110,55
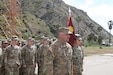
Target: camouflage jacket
x,y
12,56
43,61
1,57
62,60
42,52
77,55
28,54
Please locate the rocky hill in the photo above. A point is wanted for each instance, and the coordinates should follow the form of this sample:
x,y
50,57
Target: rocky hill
x,y
45,16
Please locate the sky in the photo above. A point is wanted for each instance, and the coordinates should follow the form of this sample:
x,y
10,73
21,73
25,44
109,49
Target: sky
x,y
101,11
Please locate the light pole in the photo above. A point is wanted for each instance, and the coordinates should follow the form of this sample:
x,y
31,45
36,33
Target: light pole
x,y
110,23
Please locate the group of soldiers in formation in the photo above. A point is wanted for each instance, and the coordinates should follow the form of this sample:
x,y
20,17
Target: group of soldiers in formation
x,y
43,58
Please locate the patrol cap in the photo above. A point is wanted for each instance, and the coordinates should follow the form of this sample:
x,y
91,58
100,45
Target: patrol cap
x,y
78,36
23,41
4,41
46,38
14,36
65,30
31,39
14,39
42,37
80,39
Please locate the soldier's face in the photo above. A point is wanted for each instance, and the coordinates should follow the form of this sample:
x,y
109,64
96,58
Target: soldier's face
x,y
46,42
68,36
78,42
14,42
30,42
64,37
42,40
4,45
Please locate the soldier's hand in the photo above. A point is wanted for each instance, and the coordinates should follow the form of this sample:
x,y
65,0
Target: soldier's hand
x,y
39,65
24,66
34,65
19,66
7,69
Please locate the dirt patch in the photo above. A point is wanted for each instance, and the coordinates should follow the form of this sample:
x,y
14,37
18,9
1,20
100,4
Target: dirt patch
x,y
97,50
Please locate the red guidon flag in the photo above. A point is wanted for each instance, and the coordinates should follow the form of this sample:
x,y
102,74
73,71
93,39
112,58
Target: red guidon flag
x,y
71,28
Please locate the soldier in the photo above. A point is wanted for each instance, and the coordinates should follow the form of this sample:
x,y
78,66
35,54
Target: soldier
x,y
9,41
41,41
59,57
28,57
1,61
23,43
77,56
42,54
4,44
12,58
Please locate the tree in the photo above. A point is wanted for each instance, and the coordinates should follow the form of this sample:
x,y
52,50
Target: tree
x,y
100,38
92,39
1,8
110,23
99,29
91,25
54,28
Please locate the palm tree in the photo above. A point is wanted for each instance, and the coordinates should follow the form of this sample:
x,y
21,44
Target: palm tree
x,y
99,29
78,19
100,38
110,23
91,25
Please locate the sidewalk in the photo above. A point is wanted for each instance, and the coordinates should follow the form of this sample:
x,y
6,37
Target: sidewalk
x,y
98,65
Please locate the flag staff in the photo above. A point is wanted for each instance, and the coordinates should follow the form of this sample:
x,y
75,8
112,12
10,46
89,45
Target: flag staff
x,y
71,28
69,11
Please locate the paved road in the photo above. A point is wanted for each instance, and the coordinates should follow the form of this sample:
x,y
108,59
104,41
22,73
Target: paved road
x,y
98,65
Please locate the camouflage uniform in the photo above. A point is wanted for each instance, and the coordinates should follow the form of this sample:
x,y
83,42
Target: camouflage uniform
x,y
12,60
77,60
4,44
1,60
62,60
42,56
28,59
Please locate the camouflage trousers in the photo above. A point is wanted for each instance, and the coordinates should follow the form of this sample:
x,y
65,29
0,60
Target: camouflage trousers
x,y
29,70
77,70
2,70
12,70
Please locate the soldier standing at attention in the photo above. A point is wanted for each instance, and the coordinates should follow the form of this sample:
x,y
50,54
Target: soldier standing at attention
x,y
77,56
41,41
4,44
1,61
12,58
60,54
42,54
28,57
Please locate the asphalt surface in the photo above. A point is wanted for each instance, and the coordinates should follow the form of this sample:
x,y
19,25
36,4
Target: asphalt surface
x,y
98,65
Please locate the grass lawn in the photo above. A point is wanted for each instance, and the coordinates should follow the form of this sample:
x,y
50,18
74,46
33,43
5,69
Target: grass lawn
x,y
93,50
